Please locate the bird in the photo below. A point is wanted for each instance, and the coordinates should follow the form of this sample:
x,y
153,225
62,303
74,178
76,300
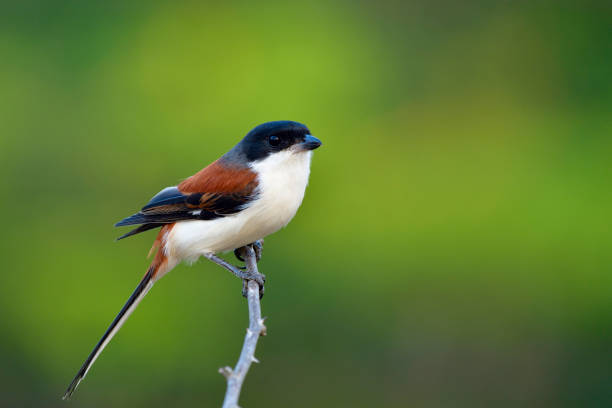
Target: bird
x,y
250,192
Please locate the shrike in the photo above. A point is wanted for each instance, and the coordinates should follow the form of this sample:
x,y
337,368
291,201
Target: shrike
x,y
250,192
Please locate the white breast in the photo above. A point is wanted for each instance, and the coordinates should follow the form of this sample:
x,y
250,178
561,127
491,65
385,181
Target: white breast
x,y
282,179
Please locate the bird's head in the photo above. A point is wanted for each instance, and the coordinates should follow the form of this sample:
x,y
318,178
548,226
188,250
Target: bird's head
x,y
281,138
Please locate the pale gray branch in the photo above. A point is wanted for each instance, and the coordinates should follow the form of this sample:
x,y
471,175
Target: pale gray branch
x,y
235,377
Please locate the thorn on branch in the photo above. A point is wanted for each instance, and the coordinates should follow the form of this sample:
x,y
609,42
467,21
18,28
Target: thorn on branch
x,y
226,372
235,377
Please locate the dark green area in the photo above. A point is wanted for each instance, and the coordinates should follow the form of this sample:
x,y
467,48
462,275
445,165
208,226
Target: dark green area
x,y
453,248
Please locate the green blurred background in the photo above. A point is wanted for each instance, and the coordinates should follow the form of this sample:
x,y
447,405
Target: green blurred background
x,y
453,248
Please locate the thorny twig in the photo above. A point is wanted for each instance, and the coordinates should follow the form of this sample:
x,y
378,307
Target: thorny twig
x,y
235,377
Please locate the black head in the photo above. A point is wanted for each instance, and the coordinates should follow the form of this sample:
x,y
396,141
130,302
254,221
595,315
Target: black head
x,y
272,137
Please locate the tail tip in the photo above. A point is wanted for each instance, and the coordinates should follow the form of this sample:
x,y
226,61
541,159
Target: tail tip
x,y
71,388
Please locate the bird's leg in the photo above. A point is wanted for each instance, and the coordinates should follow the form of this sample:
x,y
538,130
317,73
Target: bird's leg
x,y
245,289
241,254
257,247
250,256
242,274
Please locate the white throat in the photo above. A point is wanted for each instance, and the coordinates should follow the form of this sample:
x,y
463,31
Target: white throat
x,y
283,178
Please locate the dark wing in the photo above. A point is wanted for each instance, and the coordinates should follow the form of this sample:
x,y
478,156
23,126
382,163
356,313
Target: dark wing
x,y
171,205
218,190
139,229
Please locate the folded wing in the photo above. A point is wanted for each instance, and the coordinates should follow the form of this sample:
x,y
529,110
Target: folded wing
x,y
214,192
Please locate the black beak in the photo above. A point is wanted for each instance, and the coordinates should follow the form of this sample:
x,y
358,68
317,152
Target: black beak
x,y
310,142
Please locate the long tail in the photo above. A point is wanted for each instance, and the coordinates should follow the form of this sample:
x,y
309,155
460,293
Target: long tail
x,y
141,290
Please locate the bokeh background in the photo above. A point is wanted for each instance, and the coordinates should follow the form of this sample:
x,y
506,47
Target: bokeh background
x,y
453,248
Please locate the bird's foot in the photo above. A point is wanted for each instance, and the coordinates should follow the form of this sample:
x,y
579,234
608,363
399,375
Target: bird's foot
x,y
257,247
260,279
245,275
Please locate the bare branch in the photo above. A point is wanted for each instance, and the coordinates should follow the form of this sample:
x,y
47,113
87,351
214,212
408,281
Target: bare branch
x,y
235,377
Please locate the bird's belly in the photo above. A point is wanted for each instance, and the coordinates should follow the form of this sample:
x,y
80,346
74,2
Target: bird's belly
x,y
189,240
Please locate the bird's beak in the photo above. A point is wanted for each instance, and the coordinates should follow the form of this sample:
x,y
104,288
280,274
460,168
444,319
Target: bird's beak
x,y
310,143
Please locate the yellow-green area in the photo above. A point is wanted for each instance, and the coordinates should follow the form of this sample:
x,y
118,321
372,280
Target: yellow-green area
x,y
453,248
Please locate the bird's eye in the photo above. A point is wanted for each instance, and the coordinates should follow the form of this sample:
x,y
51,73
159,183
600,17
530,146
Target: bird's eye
x,y
274,140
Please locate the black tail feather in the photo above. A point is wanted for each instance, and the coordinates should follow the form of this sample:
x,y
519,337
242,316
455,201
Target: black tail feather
x,y
141,290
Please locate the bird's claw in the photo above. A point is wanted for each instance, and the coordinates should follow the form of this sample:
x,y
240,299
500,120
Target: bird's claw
x,y
257,247
239,252
247,275
242,272
259,278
